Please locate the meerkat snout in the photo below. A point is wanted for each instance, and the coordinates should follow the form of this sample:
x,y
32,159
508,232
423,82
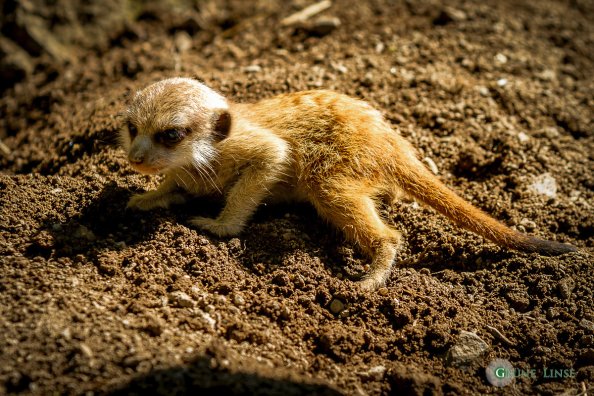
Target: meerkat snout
x,y
138,150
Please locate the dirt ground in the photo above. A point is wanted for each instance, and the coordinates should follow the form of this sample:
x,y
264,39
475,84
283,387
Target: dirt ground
x,y
96,299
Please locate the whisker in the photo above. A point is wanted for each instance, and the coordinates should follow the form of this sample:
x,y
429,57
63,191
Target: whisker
x,y
212,182
200,172
189,171
207,175
181,179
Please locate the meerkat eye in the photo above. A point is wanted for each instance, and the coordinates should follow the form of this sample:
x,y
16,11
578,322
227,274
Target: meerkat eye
x,y
170,137
132,130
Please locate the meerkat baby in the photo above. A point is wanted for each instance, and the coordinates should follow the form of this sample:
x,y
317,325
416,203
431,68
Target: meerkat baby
x,y
322,147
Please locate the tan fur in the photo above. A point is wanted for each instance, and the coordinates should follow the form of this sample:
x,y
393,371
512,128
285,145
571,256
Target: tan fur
x,y
331,150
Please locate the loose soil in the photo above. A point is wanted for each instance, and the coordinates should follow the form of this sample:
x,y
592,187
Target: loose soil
x,y
97,299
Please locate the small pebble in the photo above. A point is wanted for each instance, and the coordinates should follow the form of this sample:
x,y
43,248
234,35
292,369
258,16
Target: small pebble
x,y
502,82
86,350
500,58
523,138
66,333
252,69
551,132
322,26
545,184
547,75
367,80
468,349
339,67
587,325
238,299
377,372
574,195
528,224
448,15
183,41
209,320
336,306
180,299
566,286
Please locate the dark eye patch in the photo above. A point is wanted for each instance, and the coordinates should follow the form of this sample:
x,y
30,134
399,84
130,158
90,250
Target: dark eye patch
x,y
132,130
170,137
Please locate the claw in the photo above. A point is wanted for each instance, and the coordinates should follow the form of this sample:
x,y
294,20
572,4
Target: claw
x,y
216,227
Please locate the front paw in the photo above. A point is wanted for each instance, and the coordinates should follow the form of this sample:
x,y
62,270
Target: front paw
x,y
216,226
151,200
144,201
370,283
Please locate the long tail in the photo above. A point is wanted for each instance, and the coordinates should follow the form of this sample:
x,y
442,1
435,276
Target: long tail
x,y
426,187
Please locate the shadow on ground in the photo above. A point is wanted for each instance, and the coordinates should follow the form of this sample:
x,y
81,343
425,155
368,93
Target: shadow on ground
x,y
207,376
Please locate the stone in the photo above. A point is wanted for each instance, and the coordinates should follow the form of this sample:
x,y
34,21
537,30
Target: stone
x,y
449,15
502,82
501,58
181,299
183,41
468,349
86,350
336,306
252,69
545,184
321,26
376,372
587,325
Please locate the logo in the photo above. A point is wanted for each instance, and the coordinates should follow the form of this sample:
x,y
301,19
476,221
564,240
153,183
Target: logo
x,y
500,372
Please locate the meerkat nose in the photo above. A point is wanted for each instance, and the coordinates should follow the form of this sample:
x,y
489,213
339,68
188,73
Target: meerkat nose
x,y
136,158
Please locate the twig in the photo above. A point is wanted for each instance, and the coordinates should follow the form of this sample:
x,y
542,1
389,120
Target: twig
x,y
4,149
306,13
232,31
497,334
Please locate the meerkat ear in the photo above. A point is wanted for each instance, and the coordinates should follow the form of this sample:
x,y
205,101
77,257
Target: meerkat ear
x,y
221,124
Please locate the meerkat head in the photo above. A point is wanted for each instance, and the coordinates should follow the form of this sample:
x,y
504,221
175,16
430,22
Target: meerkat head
x,y
172,123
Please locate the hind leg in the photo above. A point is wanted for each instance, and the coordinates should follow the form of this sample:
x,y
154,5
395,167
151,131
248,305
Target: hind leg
x,y
355,213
